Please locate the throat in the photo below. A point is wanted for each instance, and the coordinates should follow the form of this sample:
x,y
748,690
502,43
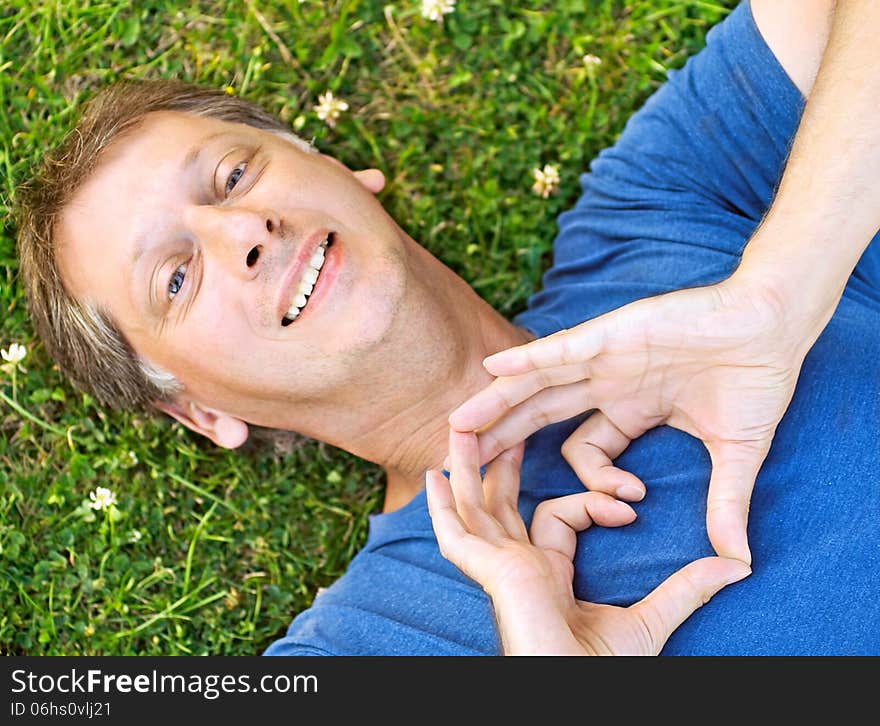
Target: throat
x,y
400,490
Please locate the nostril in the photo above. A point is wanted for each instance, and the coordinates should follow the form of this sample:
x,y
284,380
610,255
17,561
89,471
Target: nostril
x,y
253,256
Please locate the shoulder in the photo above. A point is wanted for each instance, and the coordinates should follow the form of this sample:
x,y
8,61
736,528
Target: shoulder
x,y
397,597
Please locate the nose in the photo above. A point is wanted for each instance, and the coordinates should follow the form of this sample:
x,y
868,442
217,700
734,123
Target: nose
x,y
237,238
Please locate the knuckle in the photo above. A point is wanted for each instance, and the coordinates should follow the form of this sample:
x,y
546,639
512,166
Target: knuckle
x,y
544,380
491,444
727,501
648,620
699,596
567,352
539,418
542,510
504,393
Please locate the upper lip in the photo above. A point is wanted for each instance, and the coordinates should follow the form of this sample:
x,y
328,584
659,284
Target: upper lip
x,y
297,269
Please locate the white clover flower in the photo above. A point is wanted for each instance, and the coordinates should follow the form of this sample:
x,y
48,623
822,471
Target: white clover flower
x,y
546,180
592,60
329,108
15,354
436,9
135,536
102,498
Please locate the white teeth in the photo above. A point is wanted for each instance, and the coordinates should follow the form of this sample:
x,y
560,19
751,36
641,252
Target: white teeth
x,y
307,283
310,277
317,258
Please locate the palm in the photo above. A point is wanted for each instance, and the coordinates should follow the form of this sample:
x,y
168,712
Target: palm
x,y
542,583
610,630
529,577
688,360
716,362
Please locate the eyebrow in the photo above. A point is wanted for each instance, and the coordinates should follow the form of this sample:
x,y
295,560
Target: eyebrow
x,y
193,155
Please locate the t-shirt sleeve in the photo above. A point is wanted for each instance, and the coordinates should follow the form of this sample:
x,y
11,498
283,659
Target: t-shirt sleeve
x,y
398,596
289,646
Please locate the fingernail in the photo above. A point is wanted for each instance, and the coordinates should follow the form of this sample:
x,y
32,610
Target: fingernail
x,y
630,493
741,574
625,506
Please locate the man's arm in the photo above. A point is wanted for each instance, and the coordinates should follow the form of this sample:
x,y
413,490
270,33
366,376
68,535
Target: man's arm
x,y
827,208
719,362
797,32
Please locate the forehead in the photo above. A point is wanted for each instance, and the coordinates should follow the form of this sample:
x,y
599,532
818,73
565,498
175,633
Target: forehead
x,y
136,184
157,144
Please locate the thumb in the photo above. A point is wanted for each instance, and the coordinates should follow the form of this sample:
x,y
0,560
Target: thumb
x,y
734,470
677,597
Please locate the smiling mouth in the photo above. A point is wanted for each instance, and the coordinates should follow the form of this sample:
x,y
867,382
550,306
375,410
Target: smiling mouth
x,y
308,282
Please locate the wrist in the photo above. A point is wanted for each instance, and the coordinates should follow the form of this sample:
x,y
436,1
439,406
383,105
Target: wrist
x,y
533,626
802,292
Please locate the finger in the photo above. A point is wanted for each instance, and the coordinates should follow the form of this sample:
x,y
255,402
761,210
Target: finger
x,y
505,393
734,470
590,450
575,345
557,521
467,485
464,471
501,486
458,545
675,599
547,407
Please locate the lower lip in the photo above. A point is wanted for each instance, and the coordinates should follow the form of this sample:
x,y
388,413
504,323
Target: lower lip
x,y
328,273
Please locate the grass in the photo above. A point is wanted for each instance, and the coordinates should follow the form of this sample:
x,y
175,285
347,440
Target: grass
x,y
208,551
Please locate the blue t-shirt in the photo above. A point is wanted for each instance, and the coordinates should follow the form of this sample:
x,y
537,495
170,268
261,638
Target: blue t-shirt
x,y
672,205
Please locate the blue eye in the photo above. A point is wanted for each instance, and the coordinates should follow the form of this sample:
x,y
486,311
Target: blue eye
x,y
176,281
234,177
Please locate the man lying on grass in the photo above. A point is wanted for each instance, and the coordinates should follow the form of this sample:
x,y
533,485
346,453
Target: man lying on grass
x,y
182,251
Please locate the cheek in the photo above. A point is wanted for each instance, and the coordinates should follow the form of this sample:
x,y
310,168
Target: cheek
x,y
208,338
374,298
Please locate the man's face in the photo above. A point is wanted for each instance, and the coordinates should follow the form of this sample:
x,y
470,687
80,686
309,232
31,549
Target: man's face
x,y
197,234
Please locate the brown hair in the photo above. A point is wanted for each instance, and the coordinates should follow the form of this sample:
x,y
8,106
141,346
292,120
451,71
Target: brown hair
x,y
85,342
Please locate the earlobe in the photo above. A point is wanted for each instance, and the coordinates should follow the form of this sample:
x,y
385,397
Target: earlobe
x,y
224,430
372,179
229,432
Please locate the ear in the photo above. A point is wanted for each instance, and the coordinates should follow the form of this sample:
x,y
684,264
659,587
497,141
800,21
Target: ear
x,y
372,179
223,429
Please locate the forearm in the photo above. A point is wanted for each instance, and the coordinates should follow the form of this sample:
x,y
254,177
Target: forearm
x,y
827,207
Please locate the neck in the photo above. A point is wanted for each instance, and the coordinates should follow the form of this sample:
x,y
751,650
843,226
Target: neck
x,y
412,435
420,432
